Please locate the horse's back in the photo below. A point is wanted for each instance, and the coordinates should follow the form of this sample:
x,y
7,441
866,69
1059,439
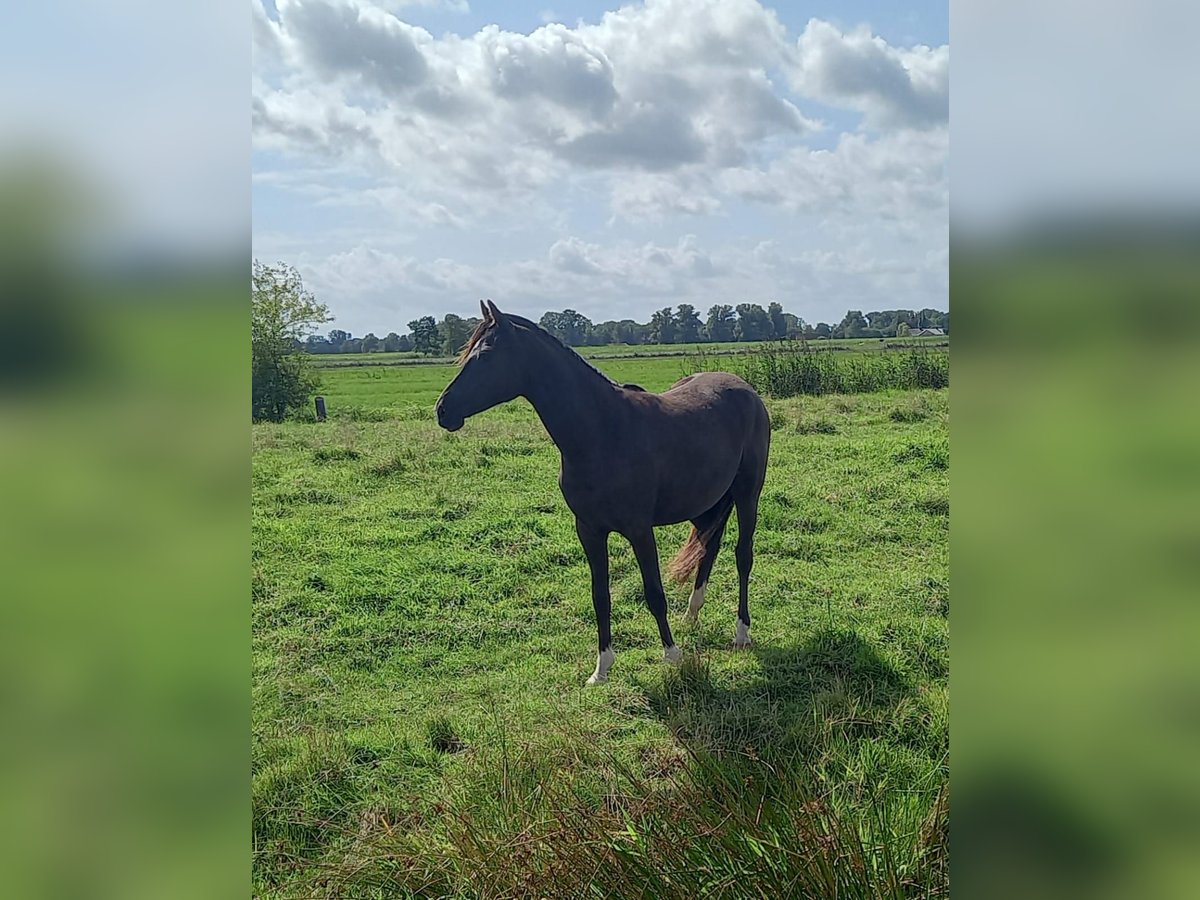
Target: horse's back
x,y
710,390
708,403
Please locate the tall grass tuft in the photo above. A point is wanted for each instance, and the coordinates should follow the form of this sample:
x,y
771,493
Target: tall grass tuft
x,y
790,368
721,824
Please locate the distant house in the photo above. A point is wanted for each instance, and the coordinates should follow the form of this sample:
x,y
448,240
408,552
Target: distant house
x,y
927,332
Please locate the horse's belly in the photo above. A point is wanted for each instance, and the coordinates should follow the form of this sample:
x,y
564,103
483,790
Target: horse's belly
x,y
686,494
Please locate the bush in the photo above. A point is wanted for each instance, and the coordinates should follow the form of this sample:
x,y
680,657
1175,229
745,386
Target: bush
x,y
787,369
282,314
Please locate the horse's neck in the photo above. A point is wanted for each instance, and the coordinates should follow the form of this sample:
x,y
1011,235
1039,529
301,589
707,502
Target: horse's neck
x,y
572,400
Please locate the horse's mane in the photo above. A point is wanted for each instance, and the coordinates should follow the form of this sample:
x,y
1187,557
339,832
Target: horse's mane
x,y
545,337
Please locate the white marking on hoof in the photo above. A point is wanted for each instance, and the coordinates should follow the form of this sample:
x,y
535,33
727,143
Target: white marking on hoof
x,y
604,662
672,654
696,602
741,638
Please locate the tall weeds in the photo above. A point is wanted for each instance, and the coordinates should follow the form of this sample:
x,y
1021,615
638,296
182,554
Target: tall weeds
x,y
790,368
724,825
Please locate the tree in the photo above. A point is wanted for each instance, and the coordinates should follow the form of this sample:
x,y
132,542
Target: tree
x,y
371,344
405,344
568,326
337,337
687,323
902,330
316,343
720,322
823,330
854,324
753,323
454,332
282,313
662,327
391,343
425,337
779,328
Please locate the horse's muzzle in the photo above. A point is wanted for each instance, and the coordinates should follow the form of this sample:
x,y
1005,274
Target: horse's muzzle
x,y
446,420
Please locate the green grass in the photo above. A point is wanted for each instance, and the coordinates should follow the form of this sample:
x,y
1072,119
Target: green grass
x,y
423,628
631,351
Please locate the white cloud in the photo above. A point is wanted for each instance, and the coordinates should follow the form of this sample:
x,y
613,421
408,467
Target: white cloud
x,y
894,87
664,119
625,279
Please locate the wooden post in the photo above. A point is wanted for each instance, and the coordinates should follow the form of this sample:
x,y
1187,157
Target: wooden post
x,y
320,401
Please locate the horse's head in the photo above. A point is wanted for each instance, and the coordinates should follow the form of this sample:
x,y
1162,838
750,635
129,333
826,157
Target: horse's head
x,y
490,371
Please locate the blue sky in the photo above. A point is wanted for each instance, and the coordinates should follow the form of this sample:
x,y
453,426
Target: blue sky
x,y
411,158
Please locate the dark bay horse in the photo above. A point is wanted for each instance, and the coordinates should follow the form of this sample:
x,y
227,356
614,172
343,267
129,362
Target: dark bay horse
x,y
631,459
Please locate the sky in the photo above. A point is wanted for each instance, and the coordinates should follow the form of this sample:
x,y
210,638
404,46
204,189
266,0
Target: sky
x,y
411,158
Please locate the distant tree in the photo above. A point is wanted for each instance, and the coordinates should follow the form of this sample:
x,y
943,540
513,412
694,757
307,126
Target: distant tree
x,y
371,344
902,330
883,321
425,336
316,343
453,331
405,344
753,323
793,326
576,327
853,325
778,321
282,312
391,343
337,337
823,330
603,333
662,326
688,327
719,326
568,326
625,331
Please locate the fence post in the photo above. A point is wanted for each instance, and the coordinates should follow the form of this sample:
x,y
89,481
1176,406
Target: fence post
x,y
320,402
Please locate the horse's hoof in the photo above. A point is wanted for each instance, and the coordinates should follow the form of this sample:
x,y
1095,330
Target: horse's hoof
x,y
741,638
604,662
672,654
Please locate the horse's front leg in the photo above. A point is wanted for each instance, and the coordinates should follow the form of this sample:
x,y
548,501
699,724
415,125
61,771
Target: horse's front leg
x,y
595,547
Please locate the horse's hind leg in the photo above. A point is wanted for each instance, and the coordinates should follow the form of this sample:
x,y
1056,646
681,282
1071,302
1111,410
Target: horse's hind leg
x,y
746,488
646,551
714,518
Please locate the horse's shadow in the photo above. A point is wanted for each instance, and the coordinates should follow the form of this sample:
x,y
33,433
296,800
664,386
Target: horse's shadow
x,y
834,680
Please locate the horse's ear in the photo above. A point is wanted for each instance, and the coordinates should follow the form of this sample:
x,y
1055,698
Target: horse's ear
x,y
497,316
487,316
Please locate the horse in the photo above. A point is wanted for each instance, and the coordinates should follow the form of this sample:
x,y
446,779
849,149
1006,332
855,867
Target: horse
x,y
631,459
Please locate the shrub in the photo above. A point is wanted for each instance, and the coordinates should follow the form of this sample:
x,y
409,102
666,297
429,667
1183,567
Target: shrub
x,y
282,314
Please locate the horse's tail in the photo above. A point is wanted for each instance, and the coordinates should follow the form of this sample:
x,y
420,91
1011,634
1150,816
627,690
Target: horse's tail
x,y
688,558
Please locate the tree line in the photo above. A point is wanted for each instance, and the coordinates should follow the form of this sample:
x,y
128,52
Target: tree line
x,y
679,325
285,315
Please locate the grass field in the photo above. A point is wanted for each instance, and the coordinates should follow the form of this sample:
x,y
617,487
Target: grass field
x,y
627,351
423,628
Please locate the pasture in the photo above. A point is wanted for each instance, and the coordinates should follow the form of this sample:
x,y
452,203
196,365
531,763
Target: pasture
x,y
637,351
422,630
